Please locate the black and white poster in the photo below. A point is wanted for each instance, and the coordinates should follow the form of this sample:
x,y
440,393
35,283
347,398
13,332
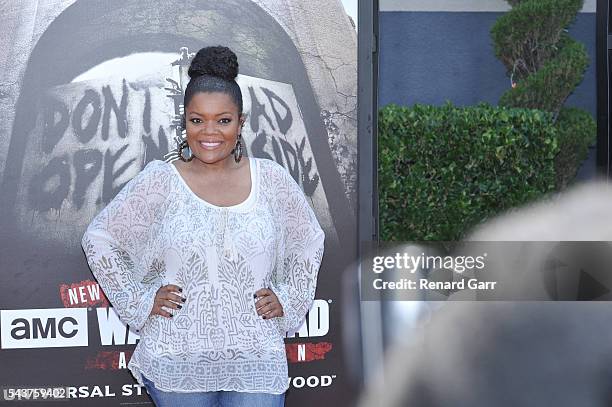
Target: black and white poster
x,y
89,94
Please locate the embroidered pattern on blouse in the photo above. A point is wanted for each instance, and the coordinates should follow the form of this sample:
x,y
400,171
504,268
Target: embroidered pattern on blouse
x,y
156,232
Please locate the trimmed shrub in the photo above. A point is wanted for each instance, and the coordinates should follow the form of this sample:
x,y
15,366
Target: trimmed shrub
x,y
544,62
444,169
576,132
548,88
546,65
527,36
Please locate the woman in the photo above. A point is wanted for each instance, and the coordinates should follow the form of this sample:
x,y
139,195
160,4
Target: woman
x,y
212,257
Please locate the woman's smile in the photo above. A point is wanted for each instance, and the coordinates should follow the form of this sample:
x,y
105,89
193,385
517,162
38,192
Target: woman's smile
x,y
210,145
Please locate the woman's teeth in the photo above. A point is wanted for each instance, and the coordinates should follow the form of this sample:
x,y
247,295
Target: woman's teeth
x,y
210,144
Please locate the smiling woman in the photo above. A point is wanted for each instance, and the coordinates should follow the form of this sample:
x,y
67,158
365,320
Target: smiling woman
x,y
213,132
211,256
213,126
213,122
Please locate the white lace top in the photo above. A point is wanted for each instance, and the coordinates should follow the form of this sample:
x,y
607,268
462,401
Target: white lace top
x,y
157,231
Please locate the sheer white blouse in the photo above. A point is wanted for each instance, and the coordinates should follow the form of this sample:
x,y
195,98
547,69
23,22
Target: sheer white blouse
x,y
157,231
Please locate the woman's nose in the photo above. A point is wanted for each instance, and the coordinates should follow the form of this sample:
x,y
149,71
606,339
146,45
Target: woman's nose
x,y
209,127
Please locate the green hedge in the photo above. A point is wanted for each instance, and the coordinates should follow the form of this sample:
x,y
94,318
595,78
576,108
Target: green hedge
x,y
443,169
576,130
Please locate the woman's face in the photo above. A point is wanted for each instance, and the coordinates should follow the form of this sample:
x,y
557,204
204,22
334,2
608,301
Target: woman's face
x,y
212,125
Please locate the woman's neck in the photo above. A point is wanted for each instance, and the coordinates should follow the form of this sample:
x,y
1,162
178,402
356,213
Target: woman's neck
x,y
218,167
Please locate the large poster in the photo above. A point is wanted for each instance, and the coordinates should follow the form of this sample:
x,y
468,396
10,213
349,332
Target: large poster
x,y
90,94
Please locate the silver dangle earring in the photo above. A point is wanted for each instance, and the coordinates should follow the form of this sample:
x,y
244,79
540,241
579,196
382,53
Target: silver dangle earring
x,y
238,149
181,147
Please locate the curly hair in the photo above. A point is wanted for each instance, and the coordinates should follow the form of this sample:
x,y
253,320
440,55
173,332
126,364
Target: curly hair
x,y
214,69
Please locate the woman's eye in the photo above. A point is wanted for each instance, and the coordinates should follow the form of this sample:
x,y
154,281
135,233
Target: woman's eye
x,y
225,120
195,120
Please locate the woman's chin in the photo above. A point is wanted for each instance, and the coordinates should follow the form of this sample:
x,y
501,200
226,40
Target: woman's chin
x,y
212,156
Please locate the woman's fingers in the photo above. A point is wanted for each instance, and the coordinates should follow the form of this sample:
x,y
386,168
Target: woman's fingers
x,y
176,298
171,292
269,311
276,312
172,287
169,300
262,292
170,304
267,305
163,312
263,301
266,308
159,310
167,296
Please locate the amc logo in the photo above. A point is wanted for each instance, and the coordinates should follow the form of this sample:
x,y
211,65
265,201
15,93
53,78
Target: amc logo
x,y
43,328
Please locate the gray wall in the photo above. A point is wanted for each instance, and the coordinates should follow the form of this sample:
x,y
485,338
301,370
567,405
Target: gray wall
x,y
432,57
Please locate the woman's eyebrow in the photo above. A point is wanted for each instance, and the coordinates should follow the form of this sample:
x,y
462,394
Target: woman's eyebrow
x,y
200,114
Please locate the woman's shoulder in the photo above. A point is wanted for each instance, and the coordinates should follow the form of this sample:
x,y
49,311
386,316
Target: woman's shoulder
x,y
277,179
156,165
155,172
155,168
270,167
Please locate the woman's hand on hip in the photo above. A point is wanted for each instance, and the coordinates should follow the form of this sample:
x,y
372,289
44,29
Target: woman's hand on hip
x,y
267,304
167,296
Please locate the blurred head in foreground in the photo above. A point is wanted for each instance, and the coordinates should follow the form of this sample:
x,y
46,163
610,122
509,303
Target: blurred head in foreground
x,y
502,354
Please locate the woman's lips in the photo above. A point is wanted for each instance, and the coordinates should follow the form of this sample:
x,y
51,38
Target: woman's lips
x,y
210,145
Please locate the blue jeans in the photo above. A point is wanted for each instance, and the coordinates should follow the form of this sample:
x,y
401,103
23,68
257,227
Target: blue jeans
x,y
212,398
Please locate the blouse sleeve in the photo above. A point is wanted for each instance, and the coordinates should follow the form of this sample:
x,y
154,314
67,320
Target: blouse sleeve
x,y
115,240
295,281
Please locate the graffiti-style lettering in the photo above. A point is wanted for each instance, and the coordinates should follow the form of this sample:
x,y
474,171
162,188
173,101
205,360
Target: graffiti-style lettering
x,y
90,98
291,160
110,174
146,113
156,150
293,156
257,110
51,186
258,146
87,164
70,176
56,119
309,184
278,155
151,148
284,122
271,117
120,111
